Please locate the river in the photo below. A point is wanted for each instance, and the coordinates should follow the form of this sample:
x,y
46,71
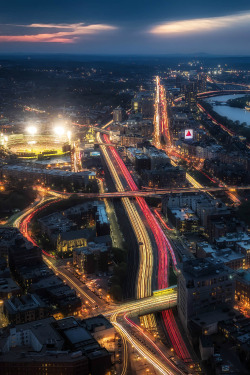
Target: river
x,y
232,113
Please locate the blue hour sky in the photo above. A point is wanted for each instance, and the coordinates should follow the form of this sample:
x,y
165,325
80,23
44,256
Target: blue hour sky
x,y
125,27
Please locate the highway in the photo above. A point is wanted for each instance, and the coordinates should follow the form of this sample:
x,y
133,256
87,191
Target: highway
x,y
168,317
123,180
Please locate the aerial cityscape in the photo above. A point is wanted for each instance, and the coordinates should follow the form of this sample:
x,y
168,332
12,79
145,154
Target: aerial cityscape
x,y
124,188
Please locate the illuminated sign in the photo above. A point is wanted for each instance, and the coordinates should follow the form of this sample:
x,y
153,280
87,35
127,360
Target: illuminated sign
x,y
166,291
189,134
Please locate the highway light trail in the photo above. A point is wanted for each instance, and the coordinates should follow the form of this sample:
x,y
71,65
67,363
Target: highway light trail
x,y
145,353
168,318
163,245
139,329
144,279
23,223
161,220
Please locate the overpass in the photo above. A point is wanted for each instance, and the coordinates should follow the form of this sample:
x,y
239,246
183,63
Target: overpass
x,y
95,128
147,305
141,193
208,94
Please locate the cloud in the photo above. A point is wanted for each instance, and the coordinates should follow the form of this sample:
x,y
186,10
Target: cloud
x,y
201,24
69,33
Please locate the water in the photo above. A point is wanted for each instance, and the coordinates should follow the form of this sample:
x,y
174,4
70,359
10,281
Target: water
x,y
234,114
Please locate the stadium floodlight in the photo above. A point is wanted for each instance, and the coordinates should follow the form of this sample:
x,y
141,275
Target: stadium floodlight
x,y
59,130
32,130
69,134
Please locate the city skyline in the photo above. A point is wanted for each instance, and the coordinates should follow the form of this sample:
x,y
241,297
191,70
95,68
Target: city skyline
x,y
137,27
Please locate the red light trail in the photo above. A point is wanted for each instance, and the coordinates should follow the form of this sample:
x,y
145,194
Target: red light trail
x,y
23,227
163,246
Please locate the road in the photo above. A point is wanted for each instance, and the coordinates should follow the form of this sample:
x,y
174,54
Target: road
x,y
123,180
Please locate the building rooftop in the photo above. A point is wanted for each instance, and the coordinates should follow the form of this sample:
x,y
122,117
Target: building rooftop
x,y
73,235
24,303
234,237
49,344
7,285
201,268
101,214
46,283
244,275
227,255
96,321
184,214
77,335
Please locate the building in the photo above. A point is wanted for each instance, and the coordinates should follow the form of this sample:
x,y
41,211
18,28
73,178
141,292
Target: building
x,y
232,239
25,309
201,82
101,221
215,217
242,289
54,224
191,97
203,286
131,140
91,259
23,253
143,103
8,237
55,177
59,296
139,159
244,248
158,158
79,340
117,114
237,332
206,347
101,329
8,288
27,275
178,123
230,258
67,241
51,347
26,263
183,219
89,213
166,176
65,300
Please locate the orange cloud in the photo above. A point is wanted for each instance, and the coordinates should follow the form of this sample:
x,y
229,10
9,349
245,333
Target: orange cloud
x,y
69,33
201,24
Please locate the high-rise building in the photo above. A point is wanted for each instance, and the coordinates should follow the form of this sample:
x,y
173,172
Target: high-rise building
x,y
117,114
203,286
202,82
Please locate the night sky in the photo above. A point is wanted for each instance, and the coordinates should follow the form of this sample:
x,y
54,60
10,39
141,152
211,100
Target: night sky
x,y
125,27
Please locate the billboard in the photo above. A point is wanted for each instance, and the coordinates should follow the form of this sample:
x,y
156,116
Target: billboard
x,y
189,134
